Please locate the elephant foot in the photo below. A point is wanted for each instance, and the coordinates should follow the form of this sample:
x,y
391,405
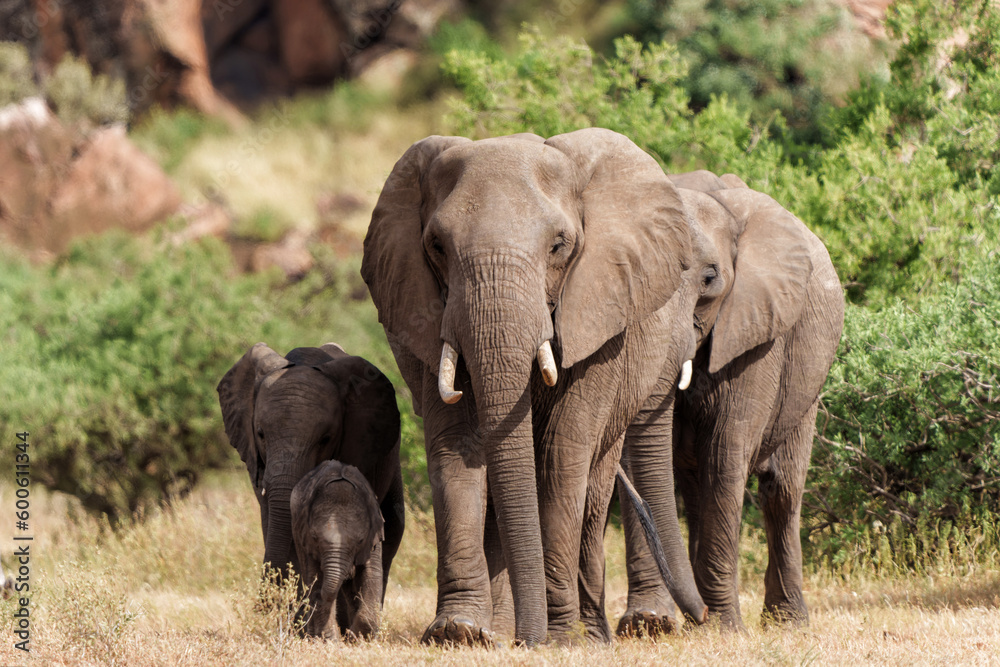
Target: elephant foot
x,y
728,621
457,631
786,614
646,623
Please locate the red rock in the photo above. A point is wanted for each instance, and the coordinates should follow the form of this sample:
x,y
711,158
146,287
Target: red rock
x,y
310,39
290,255
111,184
35,151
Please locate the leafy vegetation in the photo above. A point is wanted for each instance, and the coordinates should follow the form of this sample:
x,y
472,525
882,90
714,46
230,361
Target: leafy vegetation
x,y
78,96
912,413
790,56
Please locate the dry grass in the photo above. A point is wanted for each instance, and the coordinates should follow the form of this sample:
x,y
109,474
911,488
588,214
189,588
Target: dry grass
x,y
284,165
180,588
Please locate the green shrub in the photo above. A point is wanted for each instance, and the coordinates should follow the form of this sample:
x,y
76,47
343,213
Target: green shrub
x,y
79,96
16,77
910,427
788,55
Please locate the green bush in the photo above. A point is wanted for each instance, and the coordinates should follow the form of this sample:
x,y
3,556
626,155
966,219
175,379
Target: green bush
x,y
16,77
110,360
793,56
910,427
78,96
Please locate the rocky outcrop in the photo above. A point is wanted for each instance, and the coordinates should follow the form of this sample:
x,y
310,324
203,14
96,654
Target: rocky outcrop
x,y
57,183
262,48
172,52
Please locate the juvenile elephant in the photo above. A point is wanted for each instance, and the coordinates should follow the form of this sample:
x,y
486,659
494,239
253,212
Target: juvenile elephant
x,y
767,320
338,531
481,257
286,415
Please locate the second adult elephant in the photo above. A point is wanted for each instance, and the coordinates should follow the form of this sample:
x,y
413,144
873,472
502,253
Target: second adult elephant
x,y
768,321
481,257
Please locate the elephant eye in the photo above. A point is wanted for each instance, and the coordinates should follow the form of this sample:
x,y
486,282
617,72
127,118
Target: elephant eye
x,y
437,247
260,433
558,245
709,275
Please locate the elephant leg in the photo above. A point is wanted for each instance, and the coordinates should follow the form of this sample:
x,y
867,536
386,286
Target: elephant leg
x,y
727,444
686,476
716,566
394,515
563,469
595,520
650,609
503,599
780,494
457,473
368,598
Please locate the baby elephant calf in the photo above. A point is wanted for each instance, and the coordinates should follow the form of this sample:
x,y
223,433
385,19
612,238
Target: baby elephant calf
x,y
338,531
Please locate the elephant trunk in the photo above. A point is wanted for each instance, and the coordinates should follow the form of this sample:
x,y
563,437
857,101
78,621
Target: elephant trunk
x,y
650,465
279,549
508,322
336,570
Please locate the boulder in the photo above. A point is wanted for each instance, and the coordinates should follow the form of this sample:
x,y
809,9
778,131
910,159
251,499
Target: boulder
x,y
57,184
310,38
35,152
111,184
291,255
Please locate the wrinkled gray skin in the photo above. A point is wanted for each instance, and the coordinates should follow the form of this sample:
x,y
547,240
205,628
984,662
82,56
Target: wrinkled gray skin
x,y
338,532
286,415
495,247
767,329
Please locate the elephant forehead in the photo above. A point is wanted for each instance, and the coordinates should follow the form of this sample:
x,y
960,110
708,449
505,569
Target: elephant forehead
x,y
503,165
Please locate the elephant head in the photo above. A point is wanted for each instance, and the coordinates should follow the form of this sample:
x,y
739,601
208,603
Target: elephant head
x,y
337,527
755,263
505,250
286,415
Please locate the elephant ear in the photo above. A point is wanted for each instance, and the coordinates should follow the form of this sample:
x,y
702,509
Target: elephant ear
x,y
237,391
371,417
771,271
401,282
635,242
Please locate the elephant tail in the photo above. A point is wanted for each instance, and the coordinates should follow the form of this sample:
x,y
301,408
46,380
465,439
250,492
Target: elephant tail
x,y
656,546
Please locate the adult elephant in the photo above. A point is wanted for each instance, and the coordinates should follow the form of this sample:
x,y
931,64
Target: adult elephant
x,y
287,414
768,321
481,257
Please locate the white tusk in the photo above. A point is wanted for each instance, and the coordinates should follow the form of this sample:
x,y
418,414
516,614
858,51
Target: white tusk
x,y
263,491
547,364
446,375
685,375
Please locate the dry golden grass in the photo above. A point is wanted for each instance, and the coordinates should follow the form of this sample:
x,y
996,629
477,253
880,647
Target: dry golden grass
x,y
284,165
180,587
